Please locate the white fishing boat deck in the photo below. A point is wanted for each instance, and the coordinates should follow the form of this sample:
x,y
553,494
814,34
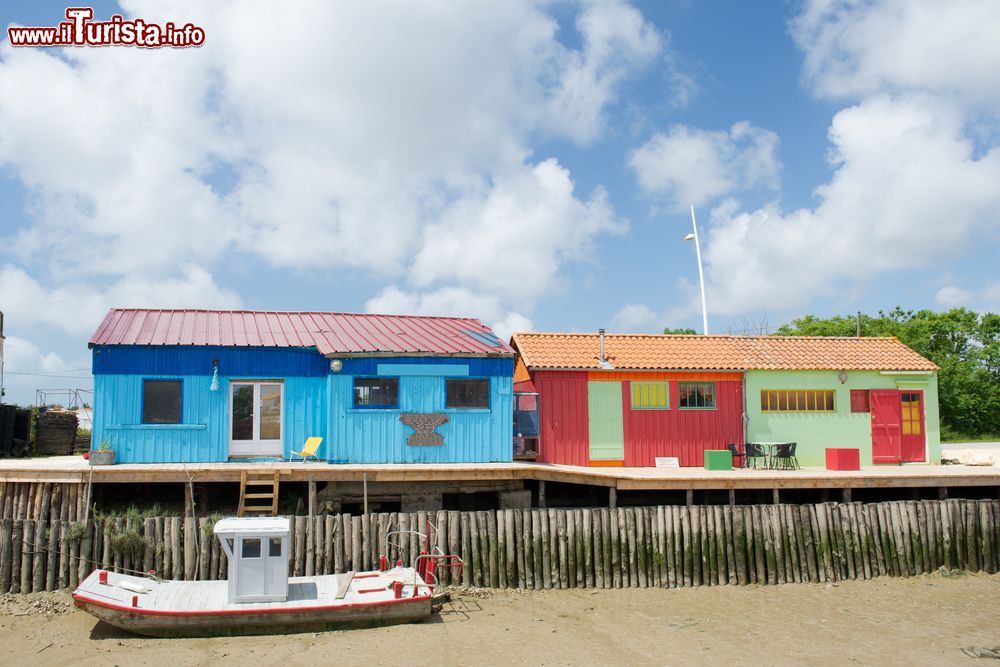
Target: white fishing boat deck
x,y
204,596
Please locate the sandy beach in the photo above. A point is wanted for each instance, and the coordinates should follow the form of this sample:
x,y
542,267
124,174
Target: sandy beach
x,y
924,620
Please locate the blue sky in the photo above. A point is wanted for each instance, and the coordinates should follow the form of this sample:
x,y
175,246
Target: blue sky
x,y
528,164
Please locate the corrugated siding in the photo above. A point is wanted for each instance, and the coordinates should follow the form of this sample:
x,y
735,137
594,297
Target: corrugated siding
x,y
685,434
204,434
377,436
563,408
305,413
562,405
604,412
247,362
118,417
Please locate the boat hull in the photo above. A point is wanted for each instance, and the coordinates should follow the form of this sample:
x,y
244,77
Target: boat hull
x,y
157,623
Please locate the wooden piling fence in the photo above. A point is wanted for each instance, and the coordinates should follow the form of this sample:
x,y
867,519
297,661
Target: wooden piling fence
x,y
667,546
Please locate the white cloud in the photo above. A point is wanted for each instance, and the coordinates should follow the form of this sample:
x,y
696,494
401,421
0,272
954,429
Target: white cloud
x,y
79,308
316,136
23,356
915,160
991,295
983,298
854,49
692,166
636,317
527,219
451,302
952,297
908,189
616,40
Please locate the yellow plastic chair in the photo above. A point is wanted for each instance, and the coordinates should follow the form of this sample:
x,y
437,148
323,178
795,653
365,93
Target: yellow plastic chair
x,y
308,449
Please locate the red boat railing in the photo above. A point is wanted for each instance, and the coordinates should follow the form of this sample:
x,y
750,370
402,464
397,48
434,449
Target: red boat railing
x,y
431,559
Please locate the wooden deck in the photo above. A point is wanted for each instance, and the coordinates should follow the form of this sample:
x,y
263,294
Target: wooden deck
x,y
76,469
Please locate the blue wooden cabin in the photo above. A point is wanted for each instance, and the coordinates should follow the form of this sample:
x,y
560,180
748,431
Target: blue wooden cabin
x,y
204,386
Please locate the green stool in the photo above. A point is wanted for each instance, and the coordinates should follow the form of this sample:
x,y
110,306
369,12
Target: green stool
x,y
718,459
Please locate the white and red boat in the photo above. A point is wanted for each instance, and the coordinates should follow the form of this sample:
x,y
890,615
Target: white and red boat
x,y
258,597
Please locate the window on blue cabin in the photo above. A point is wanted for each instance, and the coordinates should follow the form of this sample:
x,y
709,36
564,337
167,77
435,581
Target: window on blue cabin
x,y
161,401
376,392
465,393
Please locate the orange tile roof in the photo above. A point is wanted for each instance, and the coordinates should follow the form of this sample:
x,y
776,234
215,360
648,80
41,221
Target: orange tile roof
x,y
672,352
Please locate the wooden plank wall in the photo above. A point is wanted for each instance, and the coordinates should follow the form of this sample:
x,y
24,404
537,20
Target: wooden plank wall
x,y
663,546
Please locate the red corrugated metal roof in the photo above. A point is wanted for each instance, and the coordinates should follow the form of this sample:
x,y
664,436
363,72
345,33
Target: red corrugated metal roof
x,y
329,333
680,352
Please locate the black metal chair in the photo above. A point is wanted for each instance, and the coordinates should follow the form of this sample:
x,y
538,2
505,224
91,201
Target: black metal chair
x,y
754,451
784,456
737,455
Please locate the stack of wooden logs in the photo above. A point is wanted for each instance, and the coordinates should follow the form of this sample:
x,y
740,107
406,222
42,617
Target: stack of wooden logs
x,y
55,432
50,546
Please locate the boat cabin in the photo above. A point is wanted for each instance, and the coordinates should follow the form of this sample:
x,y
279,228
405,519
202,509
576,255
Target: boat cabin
x,y
257,549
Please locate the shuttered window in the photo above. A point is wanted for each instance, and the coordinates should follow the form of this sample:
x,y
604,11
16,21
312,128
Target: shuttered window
x,y
797,400
650,396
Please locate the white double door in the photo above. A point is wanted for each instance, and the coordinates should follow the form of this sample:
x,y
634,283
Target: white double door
x,y
255,418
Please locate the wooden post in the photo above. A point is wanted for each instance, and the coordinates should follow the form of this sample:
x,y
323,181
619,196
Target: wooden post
x,y
942,493
62,575
732,496
537,549
541,494
311,487
309,568
563,572
27,549
775,496
52,556
846,495
17,546
6,554
689,497
38,560
301,533
204,555
364,482
613,497
176,536
190,542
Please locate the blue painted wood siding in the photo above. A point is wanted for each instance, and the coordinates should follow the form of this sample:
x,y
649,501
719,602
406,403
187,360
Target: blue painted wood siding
x,y
203,435
316,402
378,436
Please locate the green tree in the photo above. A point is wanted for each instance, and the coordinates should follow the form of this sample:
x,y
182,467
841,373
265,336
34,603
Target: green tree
x,y
668,330
965,344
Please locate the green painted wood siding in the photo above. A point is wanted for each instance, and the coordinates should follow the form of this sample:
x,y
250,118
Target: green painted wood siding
x,y
607,434
815,431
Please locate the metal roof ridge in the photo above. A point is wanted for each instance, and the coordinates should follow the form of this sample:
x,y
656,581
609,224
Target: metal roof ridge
x,y
124,309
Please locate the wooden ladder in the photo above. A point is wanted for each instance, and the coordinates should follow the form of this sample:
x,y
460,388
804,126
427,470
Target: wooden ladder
x,y
254,503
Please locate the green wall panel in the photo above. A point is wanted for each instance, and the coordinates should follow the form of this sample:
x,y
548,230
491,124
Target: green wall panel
x,y
815,431
607,435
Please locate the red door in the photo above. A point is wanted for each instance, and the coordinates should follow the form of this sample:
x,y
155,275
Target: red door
x,y
886,430
912,438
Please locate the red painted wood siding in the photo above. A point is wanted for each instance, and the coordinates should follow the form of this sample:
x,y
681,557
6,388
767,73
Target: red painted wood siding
x,y
685,434
562,410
